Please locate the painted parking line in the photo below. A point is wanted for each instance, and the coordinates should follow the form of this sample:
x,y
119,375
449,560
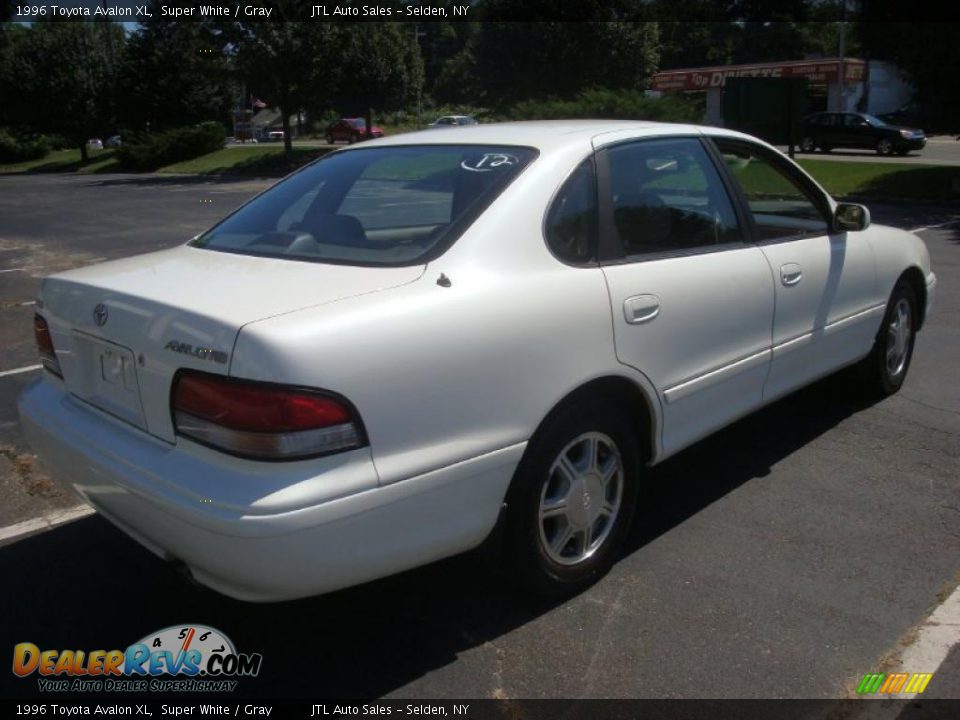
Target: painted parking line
x,y
934,227
45,522
18,371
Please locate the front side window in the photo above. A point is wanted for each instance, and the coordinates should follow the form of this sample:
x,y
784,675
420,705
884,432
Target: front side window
x,y
781,206
378,206
667,195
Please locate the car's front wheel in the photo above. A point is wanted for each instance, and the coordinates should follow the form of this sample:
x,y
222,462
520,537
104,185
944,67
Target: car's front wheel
x,y
329,139
884,146
572,499
886,366
808,144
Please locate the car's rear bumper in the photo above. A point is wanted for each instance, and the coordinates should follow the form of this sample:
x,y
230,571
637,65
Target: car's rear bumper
x,y
236,547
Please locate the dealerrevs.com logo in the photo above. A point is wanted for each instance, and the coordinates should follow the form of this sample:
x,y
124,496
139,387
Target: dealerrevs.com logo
x,y
187,658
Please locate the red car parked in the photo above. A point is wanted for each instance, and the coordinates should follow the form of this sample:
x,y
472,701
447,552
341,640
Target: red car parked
x,y
351,130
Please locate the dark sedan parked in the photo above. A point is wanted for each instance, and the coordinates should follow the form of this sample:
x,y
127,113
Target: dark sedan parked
x,y
351,130
828,130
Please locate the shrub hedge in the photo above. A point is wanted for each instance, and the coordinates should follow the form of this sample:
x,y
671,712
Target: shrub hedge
x,y
13,149
141,151
616,104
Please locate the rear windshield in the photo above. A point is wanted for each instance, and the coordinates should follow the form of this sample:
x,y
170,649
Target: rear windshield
x,y
387,206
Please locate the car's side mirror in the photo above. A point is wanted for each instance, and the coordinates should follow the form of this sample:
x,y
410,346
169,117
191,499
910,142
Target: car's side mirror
x,y
850,217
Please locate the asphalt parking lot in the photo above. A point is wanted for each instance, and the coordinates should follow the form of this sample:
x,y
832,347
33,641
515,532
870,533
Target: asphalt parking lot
x,y
785,556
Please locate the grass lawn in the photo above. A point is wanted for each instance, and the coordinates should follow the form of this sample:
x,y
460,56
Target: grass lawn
x,y
887,180
252,160
66,161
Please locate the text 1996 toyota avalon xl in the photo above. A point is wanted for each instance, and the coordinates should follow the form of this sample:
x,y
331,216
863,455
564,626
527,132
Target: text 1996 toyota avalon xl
x,y
403,346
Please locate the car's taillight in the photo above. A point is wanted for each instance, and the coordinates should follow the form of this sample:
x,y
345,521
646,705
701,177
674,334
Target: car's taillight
x,y
48,356
263,420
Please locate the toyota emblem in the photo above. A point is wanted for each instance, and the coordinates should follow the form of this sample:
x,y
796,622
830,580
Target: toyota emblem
x,y
100,314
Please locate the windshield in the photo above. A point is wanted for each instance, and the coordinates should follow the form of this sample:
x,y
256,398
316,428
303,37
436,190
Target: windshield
x,y
380,206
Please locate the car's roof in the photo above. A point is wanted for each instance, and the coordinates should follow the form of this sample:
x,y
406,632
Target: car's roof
x,y
545,134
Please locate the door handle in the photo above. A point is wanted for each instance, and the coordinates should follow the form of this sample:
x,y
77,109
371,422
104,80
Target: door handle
x,y
790,274
641,308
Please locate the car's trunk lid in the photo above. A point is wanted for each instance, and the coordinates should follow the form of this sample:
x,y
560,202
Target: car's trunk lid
x,y
123,329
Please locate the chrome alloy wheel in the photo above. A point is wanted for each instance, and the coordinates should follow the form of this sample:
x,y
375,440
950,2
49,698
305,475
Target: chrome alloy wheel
x,y
885,146
898,338
581,498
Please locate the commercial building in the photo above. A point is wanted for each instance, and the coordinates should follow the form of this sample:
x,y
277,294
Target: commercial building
x,y
874,86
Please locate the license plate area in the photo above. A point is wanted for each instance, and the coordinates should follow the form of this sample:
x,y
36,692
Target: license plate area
x,y
109,378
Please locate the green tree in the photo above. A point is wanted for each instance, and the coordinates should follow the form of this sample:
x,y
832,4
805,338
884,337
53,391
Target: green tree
x,y
519,61
447,61
290,65
61,79
457,81
696,44
173,74
11,110
382,65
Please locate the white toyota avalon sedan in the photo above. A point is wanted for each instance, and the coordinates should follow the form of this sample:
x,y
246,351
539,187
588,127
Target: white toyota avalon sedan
x,y
408,345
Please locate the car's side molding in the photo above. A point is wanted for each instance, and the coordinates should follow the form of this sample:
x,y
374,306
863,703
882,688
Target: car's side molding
x,y
695,384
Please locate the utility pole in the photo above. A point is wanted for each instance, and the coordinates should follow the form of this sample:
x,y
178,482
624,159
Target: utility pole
x,y
416,38
842,70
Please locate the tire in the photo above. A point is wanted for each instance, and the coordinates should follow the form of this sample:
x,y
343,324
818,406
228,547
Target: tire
x,y
329,139
884,146
808,145
826,148
885,368
354,138
564,523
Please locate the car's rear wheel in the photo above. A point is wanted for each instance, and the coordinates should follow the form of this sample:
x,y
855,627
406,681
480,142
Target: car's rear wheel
x,y
329,139
887,365
354,138
572,498
808,144
884,146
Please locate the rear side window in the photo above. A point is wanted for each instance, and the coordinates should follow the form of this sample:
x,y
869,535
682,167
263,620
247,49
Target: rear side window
x,y
667,195
571,225
378,206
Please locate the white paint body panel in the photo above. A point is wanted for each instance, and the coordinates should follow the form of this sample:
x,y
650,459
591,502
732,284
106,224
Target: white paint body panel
x,y
450,382
715,312
829,316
